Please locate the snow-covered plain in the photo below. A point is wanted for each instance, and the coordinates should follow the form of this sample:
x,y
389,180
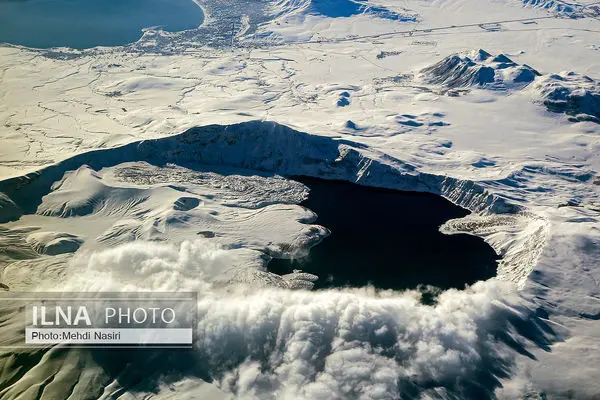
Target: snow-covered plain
x,y
159,166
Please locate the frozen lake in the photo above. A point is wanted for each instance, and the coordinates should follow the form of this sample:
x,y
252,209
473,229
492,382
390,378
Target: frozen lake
x,y
390,239
90,23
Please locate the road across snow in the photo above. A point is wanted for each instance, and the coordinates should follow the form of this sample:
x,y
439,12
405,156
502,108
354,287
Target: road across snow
x,y
493,105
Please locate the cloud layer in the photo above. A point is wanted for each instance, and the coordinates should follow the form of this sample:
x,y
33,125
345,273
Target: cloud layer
x,y
336,344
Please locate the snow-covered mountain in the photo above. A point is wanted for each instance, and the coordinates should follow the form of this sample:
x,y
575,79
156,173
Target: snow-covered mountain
x,y
168,165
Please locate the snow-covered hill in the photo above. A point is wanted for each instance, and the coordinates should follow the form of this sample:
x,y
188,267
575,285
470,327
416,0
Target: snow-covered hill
x,y
165,166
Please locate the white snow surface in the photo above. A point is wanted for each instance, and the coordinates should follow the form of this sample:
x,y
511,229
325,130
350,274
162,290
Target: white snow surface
x,y
159,166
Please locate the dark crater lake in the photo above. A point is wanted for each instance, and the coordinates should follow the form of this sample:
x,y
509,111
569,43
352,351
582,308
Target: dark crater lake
x,y
88,23
389,239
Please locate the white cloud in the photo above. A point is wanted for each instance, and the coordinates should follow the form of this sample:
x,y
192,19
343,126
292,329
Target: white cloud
x,y
353,343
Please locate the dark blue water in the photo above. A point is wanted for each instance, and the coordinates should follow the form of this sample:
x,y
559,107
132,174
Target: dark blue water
x,y
389,239
348,8
90,23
